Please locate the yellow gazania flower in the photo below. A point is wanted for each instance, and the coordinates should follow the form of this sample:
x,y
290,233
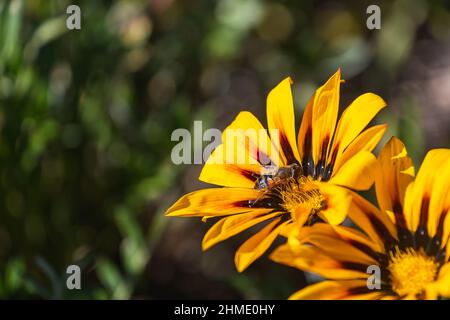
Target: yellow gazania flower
x,y
302,183
408,238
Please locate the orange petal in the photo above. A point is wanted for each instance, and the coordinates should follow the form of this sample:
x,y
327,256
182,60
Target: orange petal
x,y
313,259
339,243
213,202
230,226
255,247
336,290
375,223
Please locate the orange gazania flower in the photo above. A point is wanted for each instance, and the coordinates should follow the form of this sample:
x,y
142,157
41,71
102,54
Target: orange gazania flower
x,y
407,239
286,179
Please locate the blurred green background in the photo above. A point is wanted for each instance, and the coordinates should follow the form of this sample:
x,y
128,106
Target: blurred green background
x,y
86,117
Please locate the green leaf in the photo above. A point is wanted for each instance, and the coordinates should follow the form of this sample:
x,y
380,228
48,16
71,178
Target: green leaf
x,y
111,278
11,30
134,250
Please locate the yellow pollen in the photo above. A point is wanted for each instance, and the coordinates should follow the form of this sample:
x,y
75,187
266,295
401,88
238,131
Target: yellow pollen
x,y
300,191
411,271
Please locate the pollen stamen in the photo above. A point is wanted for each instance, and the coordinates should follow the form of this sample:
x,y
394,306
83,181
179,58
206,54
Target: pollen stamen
x,y
411,271
300,191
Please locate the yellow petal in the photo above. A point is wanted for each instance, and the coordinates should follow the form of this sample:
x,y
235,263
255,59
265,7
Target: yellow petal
x,y
213,202
430,190
389,297
313,259
372,295
281,122
289,229
375,223
301,215
339,244
443,281
352,235
430,292
440,198
218,172
324,115
446,234
393,178
329,290
358,172
246,136
355,118
237,162
255,247
230,226
366,141
337,203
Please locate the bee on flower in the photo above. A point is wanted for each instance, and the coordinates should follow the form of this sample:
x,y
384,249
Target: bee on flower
x,y
287,179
